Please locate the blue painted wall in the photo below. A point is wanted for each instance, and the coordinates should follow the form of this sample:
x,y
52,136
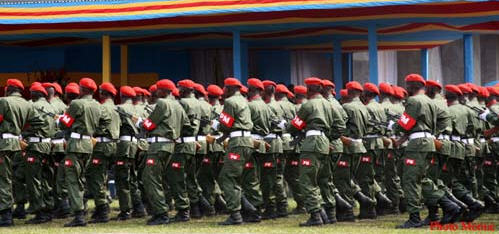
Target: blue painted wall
x,y
275,65
22,59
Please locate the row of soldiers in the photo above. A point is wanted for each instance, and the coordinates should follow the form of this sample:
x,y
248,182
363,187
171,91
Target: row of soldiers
x,y
207,151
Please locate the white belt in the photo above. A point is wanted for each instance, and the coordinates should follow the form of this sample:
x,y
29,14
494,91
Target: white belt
x,y
417,135
58,141
128,138
201,138
240,134
443,137
286,135
158,139
256,137
186,139
271,136
103,139
218,136
469,141
75,135
371,136
9,136
483,140
455,138
356,140
494,139
38,140
314,133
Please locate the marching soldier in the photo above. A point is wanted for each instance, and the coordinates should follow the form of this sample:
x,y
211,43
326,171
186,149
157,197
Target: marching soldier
x,y
164,126
106,135
319,122
420,121
235,122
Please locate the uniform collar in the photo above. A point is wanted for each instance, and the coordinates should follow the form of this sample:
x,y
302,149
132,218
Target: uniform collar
x,y
87,97
109,100
316,96
128,101
191,95
16,94
355,99
256,97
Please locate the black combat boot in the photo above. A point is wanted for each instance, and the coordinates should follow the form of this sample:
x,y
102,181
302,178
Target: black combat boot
x,y
40,217
206,208
282,210
330,214
363,199
6,218
383,203
314,220
345,215
432,216
195,211
476,208
403,205
158,220
341,203
413,222
78,221
235,218
101,214
182,216
139,211
457,201
63,211
490,203
300,209
19,211
451,210
122,216
270,212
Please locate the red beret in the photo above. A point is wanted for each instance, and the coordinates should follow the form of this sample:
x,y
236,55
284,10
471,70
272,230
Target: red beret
x,y
354,85
399,92
473,87
47,85
38,88
165,84
88,83
153,88
146,92
464,88
415,78
493,90
483,92
214,90
36,83
72,88
255,82
200,88
138,91
300,89
328,83
127,91
108,87
344,92
386,88
433,83
243,89
290,95
186,84
371,88
280,88
313,81
15,83
176,92
232,82
268,83
57,87
453,89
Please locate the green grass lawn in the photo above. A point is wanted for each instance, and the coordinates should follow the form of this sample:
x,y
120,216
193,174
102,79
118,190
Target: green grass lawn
x,y
384,224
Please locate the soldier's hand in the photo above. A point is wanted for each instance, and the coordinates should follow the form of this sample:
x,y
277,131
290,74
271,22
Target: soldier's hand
x,y
135,119
56,117
210,139
483,115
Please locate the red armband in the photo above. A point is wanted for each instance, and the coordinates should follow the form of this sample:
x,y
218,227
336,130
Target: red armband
x,y
226,119
1,118
298,123
406,121
67,120
149,125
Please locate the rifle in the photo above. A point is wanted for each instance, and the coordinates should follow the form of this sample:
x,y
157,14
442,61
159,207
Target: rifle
x,y
42,109
475,108
298,138
123,113
392,116
489,132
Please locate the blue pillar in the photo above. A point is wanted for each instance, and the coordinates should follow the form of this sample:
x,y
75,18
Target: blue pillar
x,y
239,57
337,65
373,54
424,63
468,58
350,66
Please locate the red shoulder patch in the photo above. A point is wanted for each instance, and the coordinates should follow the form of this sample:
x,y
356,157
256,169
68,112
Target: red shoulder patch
x,y
406,121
